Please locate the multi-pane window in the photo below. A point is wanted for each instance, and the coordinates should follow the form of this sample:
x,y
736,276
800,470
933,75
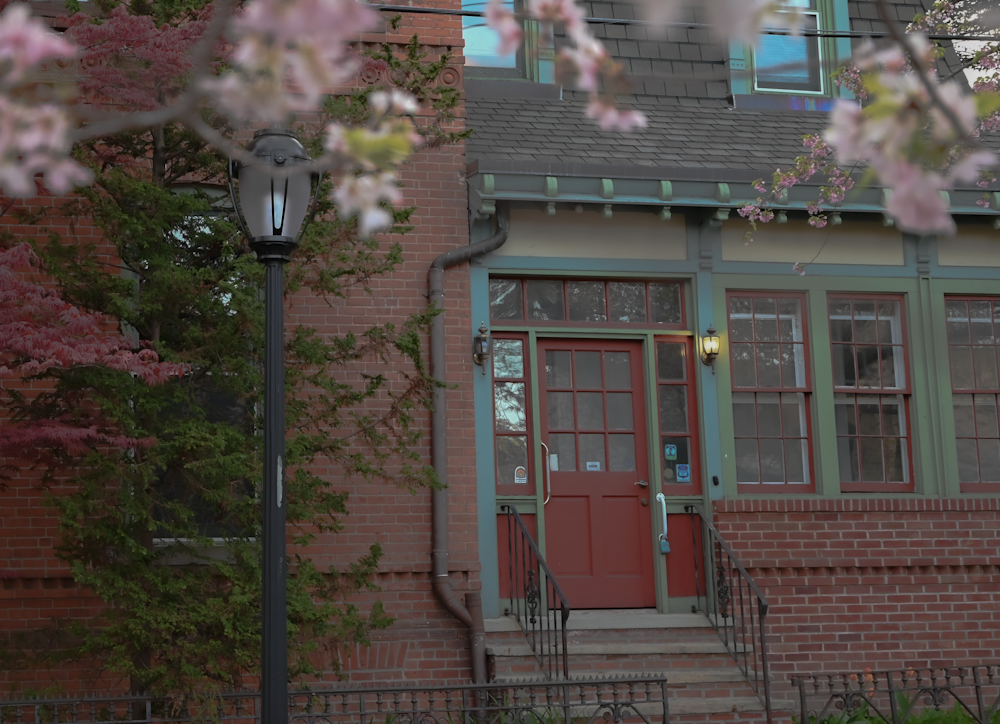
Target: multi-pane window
x,y
771,388
791,62
975,384
585,301
676,398
510,416
871,391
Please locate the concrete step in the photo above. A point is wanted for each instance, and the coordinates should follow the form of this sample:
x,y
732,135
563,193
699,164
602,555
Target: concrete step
x,y
612,620
620,648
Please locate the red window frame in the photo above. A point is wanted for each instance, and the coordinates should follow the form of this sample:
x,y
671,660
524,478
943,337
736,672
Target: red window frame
x,y
511,488
975,391
852,486
694,487
567,322
804,389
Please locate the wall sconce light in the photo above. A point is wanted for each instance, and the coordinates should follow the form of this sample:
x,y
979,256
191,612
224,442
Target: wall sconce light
x,y
481,344
710,346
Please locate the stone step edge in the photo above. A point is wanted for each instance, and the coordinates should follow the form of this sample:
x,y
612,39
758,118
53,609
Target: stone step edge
x,y
617,649
612,622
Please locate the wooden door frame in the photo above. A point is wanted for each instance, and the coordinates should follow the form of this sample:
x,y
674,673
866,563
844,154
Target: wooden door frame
x,y
646,338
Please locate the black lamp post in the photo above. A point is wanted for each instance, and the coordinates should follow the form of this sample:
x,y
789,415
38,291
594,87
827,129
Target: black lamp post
x,y
271,205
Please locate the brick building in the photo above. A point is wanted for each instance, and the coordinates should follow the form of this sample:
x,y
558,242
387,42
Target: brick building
x,y
844,442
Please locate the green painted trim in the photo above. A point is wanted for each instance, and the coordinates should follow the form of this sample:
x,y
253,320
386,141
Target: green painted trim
x,y
590,331
655,476
485,465
705,243
536,437
826,465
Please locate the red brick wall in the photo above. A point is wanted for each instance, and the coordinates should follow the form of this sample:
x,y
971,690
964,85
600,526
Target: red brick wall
x,y
857,583
425,642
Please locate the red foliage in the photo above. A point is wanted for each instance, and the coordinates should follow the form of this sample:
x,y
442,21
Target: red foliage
x,y
39,331
128,60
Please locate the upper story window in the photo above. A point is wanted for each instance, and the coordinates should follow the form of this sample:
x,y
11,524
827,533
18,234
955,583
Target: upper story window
x,y
871,392
481,41
604,303
771,386
791,63
975,385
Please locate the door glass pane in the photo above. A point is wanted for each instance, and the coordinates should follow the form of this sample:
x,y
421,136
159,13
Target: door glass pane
x,y
505,299
560,409
618,370
592,453
619,410
545,299
670,361
676,459
512,453
557,369
562,452
622,449
586,301
508,405
588,370
665,303
627,301
590,409
673,408
508,358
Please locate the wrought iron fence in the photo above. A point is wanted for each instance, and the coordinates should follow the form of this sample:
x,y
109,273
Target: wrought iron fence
x,y
537,603
897,696
734,605
614,700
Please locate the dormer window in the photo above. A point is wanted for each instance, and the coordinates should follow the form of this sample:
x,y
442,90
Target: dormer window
x,y
792,63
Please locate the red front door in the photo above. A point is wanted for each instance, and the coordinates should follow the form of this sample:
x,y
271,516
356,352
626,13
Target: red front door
x,y
597,519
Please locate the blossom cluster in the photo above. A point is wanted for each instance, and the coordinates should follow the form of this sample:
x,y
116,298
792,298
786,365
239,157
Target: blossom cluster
x,y
916,134
34,131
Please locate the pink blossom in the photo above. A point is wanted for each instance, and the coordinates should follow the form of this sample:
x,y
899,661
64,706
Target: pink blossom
x,y
971,167
35,140
26,42
611,118
506,26
362,196
916,202
846,132
398,101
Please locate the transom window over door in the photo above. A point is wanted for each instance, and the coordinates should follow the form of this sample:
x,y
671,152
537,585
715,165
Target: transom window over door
x,y
973,325
871,392
771,386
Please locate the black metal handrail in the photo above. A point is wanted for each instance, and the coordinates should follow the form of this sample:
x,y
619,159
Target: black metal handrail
x,y
732,616
536,602
637,700
896,696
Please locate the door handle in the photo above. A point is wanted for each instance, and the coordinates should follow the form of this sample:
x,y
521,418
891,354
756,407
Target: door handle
x,y
664,544
548,474
642,484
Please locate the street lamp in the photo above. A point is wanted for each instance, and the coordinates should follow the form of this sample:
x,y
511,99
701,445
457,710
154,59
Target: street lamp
x,y
271,205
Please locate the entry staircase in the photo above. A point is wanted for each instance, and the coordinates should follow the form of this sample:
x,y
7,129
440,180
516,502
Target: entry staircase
x,y
715,658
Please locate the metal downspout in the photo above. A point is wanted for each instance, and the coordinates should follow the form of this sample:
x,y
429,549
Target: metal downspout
x,y
471,612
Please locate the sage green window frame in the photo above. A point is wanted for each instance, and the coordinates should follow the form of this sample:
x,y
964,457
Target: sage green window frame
x,y
924,327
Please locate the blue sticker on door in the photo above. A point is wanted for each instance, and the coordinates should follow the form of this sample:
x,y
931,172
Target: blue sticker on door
x,y
683,473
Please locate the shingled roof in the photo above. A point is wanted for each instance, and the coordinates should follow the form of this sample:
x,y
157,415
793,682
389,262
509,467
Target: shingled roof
x,y
681,83
678,135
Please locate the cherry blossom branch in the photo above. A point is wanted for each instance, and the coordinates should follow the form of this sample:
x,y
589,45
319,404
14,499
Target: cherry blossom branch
x,y
923,73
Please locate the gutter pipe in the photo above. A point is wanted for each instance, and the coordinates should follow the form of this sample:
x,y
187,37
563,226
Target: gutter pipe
x,y
471,612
